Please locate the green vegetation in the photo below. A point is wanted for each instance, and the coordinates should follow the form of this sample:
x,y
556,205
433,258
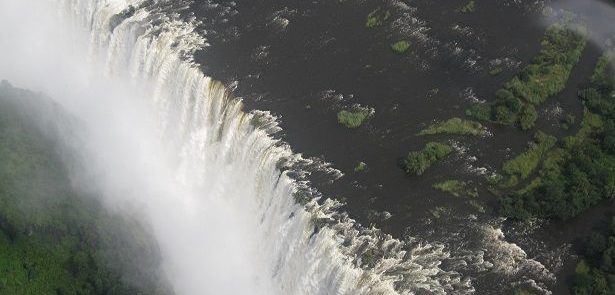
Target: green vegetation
x,y
516,101
478,206
456,188
360,167
596,273
400,47
354,118
496,71
469,7
417,162
568,121
580,172
53,241
437,212
524,164
455,126
376,18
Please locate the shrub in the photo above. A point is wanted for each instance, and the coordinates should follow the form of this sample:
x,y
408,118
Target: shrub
x,y
479,111
496,71
568,121
528,117
400,47
469,7
524,164
455,126
417,162
595,272
504,115
456,188
376,18
354,118
360,167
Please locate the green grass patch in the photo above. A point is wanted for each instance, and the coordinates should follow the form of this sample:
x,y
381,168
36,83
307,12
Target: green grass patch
x,y
496,71
438,212
456,188
456,126
417,162
469,7
567,121
400,47
524,164
361,166
354,118
376,18
477,205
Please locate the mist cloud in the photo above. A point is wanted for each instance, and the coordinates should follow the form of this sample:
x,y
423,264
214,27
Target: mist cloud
x,y
597,15
206,242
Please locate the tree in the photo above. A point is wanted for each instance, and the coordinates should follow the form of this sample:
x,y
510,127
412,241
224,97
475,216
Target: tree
x,y
503,115
416,163
528,116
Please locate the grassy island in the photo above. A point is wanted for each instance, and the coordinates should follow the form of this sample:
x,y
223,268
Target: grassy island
x,y
455,126
579,172
400,47
456,188
521,166
417,162
516,102
376,18
354,118
469,7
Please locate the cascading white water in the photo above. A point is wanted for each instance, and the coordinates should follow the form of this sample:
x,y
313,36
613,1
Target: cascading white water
x,y
210,178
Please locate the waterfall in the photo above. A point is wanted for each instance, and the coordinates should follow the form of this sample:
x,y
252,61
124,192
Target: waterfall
x,y
222,202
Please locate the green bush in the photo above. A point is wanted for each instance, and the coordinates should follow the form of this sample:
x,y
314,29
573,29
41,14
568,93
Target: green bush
x,y
456,188
524,164
504,115
353,118
360,167
496,71
568,121
509,100
528,117
417,162
469,7
376,18
456,126
479,111
400,47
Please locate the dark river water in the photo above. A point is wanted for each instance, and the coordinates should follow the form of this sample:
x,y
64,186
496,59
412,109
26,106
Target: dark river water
x,y
306,60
